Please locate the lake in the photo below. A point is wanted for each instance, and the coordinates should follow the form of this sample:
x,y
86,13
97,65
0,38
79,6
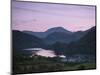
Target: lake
x,y
65,58
44,52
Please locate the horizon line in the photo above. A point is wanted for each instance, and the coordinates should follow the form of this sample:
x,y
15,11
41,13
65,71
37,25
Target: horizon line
x,y
55,27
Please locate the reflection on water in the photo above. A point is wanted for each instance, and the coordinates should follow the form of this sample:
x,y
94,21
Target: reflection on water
x,y
46,53
67,58
43,52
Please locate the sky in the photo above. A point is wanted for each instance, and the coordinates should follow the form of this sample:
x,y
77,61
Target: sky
x,y
39,17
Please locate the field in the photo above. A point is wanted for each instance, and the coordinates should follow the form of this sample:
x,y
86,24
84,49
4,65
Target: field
x,y
39,64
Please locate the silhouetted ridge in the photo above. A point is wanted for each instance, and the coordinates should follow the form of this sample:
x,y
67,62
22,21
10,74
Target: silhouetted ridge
x,y
57,34
22,40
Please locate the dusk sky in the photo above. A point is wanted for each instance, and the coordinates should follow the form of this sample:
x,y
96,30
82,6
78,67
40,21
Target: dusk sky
x,y
39,17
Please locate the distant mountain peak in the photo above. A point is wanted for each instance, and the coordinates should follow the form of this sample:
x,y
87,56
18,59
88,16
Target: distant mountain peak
x,y
58,29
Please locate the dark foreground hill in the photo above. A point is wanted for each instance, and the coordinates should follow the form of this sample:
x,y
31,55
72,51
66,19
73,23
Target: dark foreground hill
x,y
22,40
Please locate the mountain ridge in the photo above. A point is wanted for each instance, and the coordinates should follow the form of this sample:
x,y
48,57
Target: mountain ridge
x,y
57,32
85,45
47,32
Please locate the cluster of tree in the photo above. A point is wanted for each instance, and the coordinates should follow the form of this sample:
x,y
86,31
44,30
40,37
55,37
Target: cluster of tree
x,y
24,64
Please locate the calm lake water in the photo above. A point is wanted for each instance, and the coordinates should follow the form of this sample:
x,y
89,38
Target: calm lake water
x,y
44,52
67,58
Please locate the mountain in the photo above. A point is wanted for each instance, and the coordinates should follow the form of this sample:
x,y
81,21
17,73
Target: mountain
x,y
58,37
57,34
64,37
22,40
86,44
58,29
81,42
46,33
37,34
